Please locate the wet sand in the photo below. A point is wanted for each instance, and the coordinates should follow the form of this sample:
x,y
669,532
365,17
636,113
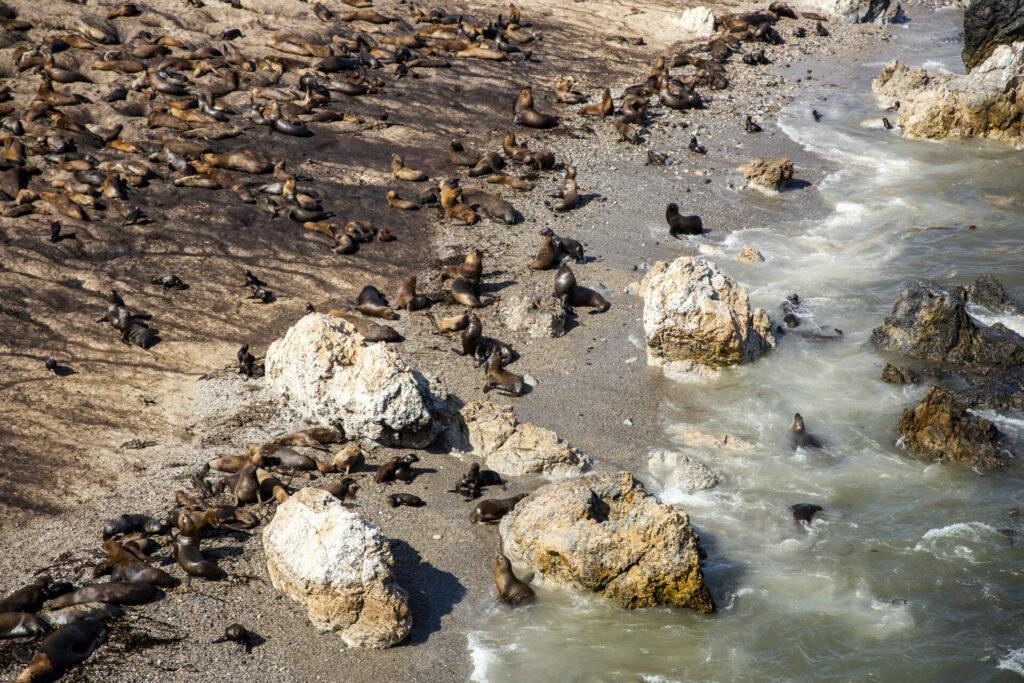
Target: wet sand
x,y
64,469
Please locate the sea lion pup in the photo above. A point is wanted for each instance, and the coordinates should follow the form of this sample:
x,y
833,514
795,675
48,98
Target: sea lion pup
x,y
567,291
626,131
511,590
490,205
471,268
565,94
568,193
489,163
395,202
190,557
396,499
386,472
459,155
501,379
247,487
510,181
752,127
114,592
696,147
491,511
513,150
404,471
565,245
236,633
313,437
341,489
526,115
370,331
407,297
169,282
450,204
467,487
547,255
63,649
372,303
603,108
804,512
271,486
466,293
400,171
447,325
130,569
127,524
21,625
682,225
799,437
488,346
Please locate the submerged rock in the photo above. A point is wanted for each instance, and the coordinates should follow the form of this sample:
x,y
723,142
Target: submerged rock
x,y
768,176
989,292
861,11
932,323
940,428
749,255
514,448
329,376
899,374
535,314
698,320
327,557
987,102
988,24
607,534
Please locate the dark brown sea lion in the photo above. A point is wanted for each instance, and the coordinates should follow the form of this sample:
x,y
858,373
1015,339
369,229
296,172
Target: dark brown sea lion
x,y
114,592
370,331
471,335
547,255
62,650
247,487
407,297
570,294
343,488
804,512
459,155
126,524
386,472
21,625
28,598
190,557
800,438
236,633
626,131
489,205
682,225
466,293
491,511
129,569
489,163
511,590
565,245
285,456
396,499
500,379
372,303
404,471
526,115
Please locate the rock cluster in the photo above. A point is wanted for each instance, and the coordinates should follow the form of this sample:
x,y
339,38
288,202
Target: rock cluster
x,y
941,428
988,24
535,314
768,176
861,11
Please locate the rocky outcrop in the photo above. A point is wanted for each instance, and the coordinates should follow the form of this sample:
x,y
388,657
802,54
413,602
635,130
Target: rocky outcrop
x,y
682,470
861,11
698,320
607,534
768,176
749,255
325,556
535,314
940,428
329,376
988,24
513,448
898,374
932,323
987,102
989,292
696,22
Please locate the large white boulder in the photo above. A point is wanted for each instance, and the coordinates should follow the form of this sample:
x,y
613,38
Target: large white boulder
x,y
327,557
696,22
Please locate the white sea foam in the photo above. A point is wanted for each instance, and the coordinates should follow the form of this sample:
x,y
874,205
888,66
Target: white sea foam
x,y
987,317
955,540
1014,662
481,656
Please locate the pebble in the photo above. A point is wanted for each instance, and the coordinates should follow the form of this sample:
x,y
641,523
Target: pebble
x,y
436,537
628,422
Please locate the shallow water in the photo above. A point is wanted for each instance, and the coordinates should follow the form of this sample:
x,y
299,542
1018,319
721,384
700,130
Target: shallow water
x,y
914,570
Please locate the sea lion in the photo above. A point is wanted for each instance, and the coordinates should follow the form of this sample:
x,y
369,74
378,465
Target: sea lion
x,y
126,524
395,202
565,94
28,598
386,472
696,147
372,303
501,379
471,268
247,488
471,335
63,649
570,294
800,438
229,463
400,171
348,457
236,633
404,471
511,590
752,127
489,163
568,192
547,255
491,511
466,487
285,456
682,225
21,625
271,486
447,325
524,113
490,205
396,499
100,611
459,155
484,477
626,131
465,292
541,160
407,297
565,245
190,557
603,108
450,204
343,488
804,512
314,437
114,592
370,331
511,182
513,150
129,569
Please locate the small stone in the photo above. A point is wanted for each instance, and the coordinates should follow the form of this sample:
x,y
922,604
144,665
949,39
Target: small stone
x,y
628,422
436,537
749,255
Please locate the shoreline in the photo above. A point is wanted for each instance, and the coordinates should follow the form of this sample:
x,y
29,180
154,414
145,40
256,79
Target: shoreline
x,y
614,390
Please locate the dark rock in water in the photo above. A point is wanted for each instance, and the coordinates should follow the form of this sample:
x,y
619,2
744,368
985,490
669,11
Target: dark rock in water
x,y
899,374
989,23
989,292
931,323
940,428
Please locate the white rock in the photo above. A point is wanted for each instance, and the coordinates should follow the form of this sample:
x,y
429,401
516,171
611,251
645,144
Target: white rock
x,y
696,22
327,557
681,469
537,315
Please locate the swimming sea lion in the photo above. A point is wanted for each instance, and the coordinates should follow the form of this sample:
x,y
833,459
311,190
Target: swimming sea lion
x,y
62,650
407,297
804,512
446,325
372,303
501,379
547,255
21,625
190,557
682,225
396,499
491,511
800,438
114,592
511,590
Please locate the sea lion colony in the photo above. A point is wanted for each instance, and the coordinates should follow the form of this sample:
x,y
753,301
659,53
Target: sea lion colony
x,y
97,115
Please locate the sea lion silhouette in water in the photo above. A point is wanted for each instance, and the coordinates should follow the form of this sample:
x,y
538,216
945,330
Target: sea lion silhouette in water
x,y
804,512
511,590
800,438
